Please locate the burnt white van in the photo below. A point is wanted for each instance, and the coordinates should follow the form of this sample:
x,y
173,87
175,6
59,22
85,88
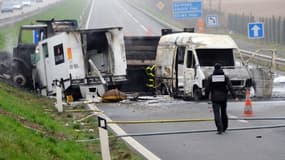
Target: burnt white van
x,y
185,60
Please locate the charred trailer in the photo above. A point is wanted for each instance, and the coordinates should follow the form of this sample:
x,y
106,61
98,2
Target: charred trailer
x,y
185,60
140,52
21,65
84,62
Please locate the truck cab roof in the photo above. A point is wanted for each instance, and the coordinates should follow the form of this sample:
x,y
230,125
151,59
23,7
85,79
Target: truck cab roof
x,y
198,40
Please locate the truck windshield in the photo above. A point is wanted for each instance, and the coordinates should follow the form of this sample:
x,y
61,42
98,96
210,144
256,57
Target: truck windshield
x,y
209,57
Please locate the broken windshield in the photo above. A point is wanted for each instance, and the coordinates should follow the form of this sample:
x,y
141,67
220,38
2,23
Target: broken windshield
x,y
208,57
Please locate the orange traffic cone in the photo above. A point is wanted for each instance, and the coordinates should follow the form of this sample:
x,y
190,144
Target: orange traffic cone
x,y
247,106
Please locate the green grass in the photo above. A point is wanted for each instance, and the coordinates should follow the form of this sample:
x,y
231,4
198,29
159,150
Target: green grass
x,y
20,142
67,9
29,132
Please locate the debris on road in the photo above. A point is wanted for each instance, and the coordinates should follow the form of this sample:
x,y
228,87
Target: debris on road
x,y
113,95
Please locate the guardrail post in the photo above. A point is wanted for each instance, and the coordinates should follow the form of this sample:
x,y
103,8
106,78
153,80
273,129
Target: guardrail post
x,y
283,32
273,62
59,104
104,139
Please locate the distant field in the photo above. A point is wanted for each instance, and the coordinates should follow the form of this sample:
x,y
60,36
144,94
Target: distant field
x,y
263,8
67,9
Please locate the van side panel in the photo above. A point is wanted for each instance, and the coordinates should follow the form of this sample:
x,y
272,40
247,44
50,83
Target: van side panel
x,y
165,65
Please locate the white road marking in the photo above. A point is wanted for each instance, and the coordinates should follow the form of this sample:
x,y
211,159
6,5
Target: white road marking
x,y
240,120
140,24
131,141
144,28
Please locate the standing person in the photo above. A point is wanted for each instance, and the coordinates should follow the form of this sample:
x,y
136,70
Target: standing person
x,y
218,86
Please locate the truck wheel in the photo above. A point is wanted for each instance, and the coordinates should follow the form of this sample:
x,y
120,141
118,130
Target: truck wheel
x,y
197,94
19,80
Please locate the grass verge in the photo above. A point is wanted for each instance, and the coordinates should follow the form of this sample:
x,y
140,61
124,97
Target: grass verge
x,y
66,9
28,131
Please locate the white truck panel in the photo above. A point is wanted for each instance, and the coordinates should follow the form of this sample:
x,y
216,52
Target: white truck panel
x,y
74,55
116,39
199,40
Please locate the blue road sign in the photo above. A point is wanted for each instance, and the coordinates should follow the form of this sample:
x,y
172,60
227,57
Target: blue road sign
x,y
212,20
188,9
36,36
255,30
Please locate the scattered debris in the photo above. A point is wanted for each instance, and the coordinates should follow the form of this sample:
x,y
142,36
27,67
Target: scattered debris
x,y
113,95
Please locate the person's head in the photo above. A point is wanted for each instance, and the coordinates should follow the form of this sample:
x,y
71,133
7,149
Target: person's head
x,y
217,66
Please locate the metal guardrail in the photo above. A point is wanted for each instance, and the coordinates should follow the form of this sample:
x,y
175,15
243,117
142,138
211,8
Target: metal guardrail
x,y
261,57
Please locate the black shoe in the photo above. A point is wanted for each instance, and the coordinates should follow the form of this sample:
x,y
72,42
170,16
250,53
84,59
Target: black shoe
x,y
219,132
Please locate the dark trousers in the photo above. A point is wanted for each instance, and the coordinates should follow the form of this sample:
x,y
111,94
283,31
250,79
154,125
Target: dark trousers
x,y
220,114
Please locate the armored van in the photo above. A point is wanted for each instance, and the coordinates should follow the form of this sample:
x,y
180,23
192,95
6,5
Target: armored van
x,y
185,60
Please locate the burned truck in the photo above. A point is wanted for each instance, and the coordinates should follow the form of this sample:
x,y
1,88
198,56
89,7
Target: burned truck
x,y
185,60
20,69
81,61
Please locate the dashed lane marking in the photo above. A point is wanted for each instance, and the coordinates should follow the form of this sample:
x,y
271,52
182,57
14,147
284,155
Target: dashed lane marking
x,y
129,14
240,120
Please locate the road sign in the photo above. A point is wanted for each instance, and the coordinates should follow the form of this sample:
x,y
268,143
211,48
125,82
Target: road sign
x,y
102,123
104,139
188,9
255,30
160,5
36,36
212,21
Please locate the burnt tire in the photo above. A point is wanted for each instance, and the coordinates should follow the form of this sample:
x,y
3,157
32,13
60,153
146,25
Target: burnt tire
x,y
19,80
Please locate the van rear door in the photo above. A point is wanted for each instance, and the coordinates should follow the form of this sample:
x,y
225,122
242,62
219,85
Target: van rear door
x,y
179,67
189,73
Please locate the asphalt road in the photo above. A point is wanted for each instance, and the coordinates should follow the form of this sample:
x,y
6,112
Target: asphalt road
x,y
261,144
235,145
110,13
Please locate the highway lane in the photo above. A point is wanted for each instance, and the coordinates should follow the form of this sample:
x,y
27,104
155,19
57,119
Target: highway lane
x,y
252,144
114,13
235,145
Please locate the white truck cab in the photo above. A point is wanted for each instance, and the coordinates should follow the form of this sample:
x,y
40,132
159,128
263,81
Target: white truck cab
x,y
185,60
81,60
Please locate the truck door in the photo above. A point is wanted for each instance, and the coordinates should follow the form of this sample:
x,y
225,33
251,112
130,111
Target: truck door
x,y
47,65
189,73
179,68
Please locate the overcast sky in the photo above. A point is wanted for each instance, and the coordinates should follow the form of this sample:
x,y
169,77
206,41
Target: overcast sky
x,y
255,7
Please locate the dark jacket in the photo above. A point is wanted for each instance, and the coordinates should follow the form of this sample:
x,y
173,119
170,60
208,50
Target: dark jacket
x,y
218,84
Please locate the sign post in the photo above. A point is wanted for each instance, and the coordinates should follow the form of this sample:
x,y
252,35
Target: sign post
x,y
255,30
104,139
187,9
